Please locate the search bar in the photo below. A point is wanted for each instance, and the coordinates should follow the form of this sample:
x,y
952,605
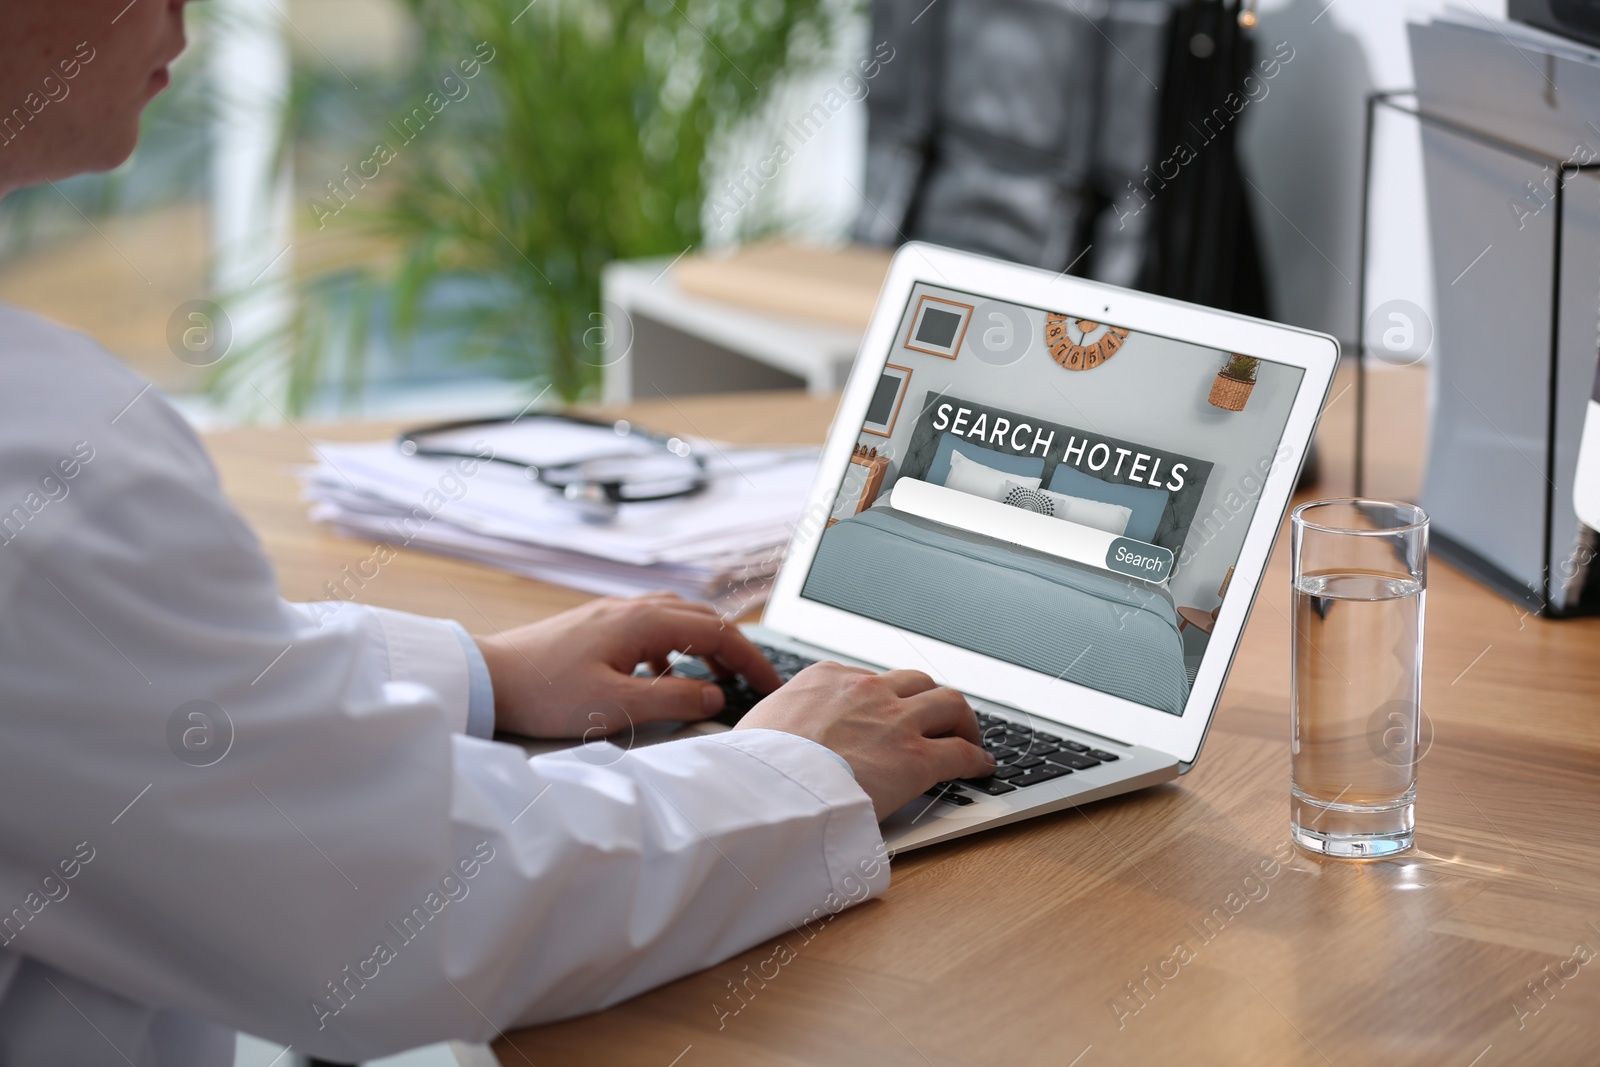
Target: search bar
x,y
1042,533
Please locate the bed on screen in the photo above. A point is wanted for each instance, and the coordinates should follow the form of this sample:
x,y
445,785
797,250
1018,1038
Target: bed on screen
x,y
1042,612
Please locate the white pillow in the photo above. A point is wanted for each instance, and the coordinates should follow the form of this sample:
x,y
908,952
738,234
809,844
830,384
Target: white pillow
x,y
970,476
1111,518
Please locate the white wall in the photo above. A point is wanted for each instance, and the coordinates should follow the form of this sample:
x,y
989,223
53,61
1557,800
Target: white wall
x,y
816,192
1304,152
1152,392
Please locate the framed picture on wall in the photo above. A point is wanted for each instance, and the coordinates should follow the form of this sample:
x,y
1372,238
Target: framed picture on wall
x,y
886,401
938,326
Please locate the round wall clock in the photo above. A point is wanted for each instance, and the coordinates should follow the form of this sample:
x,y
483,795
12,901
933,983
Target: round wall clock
x,y
1069,342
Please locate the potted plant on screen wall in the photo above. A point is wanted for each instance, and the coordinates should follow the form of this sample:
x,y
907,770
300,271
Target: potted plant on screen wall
x,y
584,140
1231,388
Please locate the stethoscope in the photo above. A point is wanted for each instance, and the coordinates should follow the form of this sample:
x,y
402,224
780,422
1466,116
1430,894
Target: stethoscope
x,y
596,486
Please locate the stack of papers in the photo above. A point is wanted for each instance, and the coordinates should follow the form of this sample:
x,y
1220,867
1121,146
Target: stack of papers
x,y
722,545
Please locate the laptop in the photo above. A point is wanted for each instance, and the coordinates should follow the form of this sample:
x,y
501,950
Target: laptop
x,y
1586,479
1057,497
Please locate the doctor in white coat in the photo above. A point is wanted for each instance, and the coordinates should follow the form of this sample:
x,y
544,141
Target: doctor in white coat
x,y
220,810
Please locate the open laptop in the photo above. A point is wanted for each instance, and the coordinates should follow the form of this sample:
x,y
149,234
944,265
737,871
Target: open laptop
x,y
1586,479
1057,497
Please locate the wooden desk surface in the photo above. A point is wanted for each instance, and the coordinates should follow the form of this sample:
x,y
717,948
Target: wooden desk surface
x,y
1018,945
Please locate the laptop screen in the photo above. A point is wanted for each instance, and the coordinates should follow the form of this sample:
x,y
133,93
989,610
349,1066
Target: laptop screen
x,y
1052,491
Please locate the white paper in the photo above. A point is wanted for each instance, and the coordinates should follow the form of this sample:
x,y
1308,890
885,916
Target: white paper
x,y
722,544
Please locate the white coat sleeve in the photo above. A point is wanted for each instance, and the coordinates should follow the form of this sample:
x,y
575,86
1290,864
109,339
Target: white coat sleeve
x,y
351,873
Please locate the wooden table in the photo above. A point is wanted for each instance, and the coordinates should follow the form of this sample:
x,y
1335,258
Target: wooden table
x,y
1026,945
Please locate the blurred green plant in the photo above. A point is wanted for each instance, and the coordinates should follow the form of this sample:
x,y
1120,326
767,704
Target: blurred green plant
x,y
581,138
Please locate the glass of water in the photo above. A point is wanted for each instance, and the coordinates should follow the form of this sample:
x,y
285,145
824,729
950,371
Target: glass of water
x,y
1360,574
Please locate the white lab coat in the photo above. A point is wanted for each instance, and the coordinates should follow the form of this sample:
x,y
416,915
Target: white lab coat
x,y
356,875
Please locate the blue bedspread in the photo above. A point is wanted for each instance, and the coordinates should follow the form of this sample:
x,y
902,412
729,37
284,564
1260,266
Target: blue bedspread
x,y
1050,615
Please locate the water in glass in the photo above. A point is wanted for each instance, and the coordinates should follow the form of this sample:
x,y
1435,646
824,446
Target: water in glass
x,y
1356,709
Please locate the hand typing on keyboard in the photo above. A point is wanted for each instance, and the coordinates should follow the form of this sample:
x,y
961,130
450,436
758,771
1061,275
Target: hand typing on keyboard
x,y
571,675
899,731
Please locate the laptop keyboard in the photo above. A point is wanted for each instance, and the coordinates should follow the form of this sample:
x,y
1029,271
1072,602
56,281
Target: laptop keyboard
x,y
1023,756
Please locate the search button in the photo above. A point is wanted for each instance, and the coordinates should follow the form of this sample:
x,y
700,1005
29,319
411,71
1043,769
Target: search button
x,y
1139,560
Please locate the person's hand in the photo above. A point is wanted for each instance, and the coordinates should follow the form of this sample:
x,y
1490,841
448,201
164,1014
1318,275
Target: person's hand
x,y
571,675
899,731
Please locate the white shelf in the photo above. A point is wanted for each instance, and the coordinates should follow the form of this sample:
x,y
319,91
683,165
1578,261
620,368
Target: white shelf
x,y
819,354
